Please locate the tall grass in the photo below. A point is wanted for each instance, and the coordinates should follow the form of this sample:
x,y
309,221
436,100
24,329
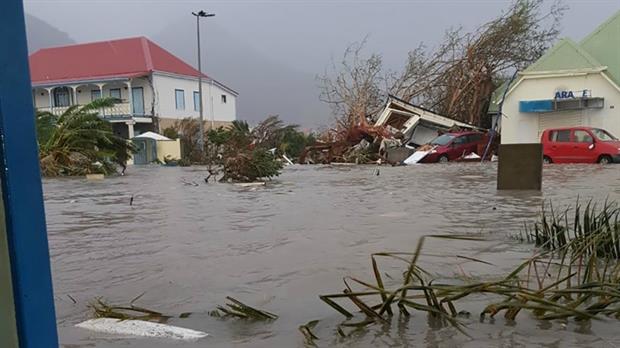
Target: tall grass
x,y
574,274
590,229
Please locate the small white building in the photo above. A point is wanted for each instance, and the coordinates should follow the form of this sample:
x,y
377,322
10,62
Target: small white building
x,y
155,87
573,84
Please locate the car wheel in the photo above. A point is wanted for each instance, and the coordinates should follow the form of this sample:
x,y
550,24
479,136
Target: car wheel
x,y
604,160
443,159
546,160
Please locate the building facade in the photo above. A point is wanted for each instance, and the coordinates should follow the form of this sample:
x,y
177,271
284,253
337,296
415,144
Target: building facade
x,y
573,84
154,88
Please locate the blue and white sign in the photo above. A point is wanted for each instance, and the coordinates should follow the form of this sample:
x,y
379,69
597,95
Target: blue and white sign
x,y
571,94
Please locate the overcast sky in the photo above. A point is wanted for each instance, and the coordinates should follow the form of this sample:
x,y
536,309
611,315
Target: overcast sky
x,y
271,51
303,34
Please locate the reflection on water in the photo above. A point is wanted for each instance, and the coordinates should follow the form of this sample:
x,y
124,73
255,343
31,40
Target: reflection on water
x,y
281,246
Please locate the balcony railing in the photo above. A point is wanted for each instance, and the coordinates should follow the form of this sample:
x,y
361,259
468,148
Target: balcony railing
x,y
118,111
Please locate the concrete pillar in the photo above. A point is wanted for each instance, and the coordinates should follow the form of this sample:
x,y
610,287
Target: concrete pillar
x,y
49,93
520,167
131,135
128,83
74,89
100,85
130,129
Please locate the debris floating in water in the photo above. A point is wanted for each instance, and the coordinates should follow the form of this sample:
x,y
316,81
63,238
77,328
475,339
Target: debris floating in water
x,y
141,328
251,184
239,309
306,330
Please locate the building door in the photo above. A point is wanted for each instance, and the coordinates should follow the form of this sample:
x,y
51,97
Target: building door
x,y
140,156
137,97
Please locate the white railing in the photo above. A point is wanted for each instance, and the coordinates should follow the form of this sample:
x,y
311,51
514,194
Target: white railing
x,y
118,110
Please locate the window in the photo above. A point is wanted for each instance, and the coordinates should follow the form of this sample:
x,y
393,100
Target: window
x,y
474,138
603,135
223,98
562,136
115,93
95,94
62,97
461,140
179,99
582,136
442,139
196,101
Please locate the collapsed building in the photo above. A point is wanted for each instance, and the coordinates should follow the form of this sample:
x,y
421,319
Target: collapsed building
x,y
399,129
417,125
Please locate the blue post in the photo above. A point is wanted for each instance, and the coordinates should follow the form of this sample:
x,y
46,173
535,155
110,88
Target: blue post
x,y
21,188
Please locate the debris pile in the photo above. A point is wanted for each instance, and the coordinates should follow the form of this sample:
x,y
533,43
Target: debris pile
x,y
400,128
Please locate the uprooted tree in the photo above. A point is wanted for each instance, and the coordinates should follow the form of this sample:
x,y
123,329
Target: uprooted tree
x,y
456,79
239,152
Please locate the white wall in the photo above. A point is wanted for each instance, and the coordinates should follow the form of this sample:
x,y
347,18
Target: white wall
x,y
165,106
524,127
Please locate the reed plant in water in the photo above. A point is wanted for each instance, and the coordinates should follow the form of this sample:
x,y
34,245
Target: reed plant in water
x,y
593,228
576,279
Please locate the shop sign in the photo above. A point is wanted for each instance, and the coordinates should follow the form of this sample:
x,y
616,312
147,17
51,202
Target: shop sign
x,y
571,95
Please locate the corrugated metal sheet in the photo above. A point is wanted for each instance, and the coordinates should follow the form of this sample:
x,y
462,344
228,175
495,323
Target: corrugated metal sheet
x,y
559,120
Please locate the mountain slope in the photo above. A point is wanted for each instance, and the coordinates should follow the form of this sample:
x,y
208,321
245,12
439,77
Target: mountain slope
x,y
41,34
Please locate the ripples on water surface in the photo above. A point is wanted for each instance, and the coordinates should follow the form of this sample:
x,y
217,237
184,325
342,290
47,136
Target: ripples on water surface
x,y
279,247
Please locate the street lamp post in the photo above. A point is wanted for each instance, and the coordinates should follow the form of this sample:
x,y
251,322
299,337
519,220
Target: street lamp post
x,y
201,139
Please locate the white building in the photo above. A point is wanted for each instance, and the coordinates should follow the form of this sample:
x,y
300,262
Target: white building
x,y
573,84
155,87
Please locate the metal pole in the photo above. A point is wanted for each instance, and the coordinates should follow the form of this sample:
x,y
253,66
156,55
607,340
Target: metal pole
x,y
201,138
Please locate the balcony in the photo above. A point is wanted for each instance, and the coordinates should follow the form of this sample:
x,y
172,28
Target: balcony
x,y
118,112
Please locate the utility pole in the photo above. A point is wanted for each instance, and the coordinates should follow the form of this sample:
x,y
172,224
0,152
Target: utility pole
x,y
201,138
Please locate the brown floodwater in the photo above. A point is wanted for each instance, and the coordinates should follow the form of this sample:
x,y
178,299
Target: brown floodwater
x,y
281,246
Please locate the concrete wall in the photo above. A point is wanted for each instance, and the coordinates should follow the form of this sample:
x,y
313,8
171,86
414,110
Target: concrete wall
x,y
170,148
165,86
524,127
8,327
169,122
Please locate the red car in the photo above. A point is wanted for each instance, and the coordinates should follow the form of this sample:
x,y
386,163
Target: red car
x,y
579,145
452,146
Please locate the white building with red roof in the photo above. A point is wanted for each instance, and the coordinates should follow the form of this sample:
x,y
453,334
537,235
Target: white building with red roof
x,y
155,87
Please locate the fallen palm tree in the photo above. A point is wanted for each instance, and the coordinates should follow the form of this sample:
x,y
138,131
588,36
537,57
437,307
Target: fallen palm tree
x,y
78,142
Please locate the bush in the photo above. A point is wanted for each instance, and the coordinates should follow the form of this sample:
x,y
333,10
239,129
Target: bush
x,y
251,166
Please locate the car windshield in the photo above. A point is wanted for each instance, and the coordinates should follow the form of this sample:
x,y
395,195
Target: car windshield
x,y
442,139
603,135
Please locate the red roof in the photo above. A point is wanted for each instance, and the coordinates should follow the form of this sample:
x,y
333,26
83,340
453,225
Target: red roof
x,y
103,60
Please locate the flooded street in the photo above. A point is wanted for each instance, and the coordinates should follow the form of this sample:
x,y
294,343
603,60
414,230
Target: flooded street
x,y
281,246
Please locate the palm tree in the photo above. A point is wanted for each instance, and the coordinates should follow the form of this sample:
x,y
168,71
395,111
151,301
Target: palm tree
x,y
78,142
